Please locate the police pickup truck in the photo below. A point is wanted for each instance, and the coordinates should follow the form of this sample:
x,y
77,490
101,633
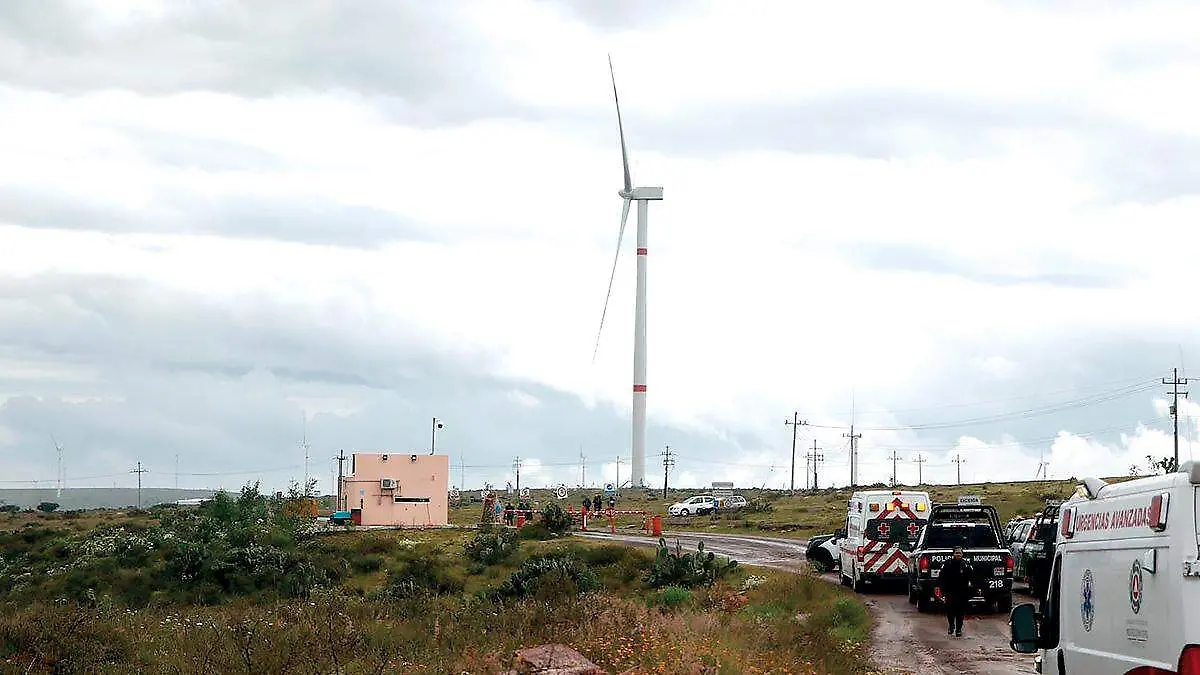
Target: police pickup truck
x,y
976,528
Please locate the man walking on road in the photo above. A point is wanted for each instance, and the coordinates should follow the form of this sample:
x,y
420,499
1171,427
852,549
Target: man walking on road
x,y
955,583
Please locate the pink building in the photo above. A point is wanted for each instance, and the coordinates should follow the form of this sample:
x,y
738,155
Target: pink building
x,y
397,490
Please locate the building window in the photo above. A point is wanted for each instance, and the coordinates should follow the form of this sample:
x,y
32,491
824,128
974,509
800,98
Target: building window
x,y
411,500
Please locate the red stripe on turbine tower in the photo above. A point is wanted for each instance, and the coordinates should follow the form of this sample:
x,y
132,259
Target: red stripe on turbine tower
x,y
641,250
639,388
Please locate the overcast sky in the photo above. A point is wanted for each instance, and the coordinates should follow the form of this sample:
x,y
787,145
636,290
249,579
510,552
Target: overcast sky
x,y
972,224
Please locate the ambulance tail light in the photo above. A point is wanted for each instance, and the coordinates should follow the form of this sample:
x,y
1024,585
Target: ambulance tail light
x,y
860,554
1158,512
1189,660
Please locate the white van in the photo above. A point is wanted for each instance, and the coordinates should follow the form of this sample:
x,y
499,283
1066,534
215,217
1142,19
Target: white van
x,y
1124,591
881,528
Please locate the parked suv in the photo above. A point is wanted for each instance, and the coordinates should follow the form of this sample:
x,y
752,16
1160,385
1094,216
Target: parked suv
x,y
700,504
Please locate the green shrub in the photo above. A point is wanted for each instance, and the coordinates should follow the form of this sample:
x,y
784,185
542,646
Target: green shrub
x,y
758,505
556,519
421,575
673,596
536,532
686,570
549,576
491,546
366,564
845,620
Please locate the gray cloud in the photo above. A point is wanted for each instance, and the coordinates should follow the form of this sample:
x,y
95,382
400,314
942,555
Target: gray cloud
x,y
413,51
613,15
1128,162
181,375
1052,270
296,217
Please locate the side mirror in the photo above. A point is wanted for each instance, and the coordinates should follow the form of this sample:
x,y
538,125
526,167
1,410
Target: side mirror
x,y
839,533
1023,625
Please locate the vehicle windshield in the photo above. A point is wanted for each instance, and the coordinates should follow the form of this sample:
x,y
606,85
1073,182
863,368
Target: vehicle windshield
x,y
966,536
1045,532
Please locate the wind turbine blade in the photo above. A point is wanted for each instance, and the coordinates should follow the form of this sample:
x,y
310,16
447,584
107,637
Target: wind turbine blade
x,y
620,129
612,277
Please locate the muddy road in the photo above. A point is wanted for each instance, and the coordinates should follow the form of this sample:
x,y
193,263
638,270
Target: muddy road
x,y
903,640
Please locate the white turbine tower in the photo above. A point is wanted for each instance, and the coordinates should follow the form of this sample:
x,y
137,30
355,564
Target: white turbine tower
x,y
643,196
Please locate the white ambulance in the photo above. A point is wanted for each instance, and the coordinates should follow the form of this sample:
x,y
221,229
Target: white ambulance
x,y
881,528
1124,591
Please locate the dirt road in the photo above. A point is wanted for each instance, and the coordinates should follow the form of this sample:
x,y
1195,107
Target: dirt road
x,y
904,640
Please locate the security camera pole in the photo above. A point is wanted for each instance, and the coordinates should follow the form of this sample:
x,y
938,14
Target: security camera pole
x,y
437,424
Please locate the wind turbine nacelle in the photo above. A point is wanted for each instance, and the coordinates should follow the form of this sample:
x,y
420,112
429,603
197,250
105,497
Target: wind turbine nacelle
x,y
644,193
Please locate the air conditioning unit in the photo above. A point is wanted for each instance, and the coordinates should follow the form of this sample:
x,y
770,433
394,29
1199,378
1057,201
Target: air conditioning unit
x,y
387,483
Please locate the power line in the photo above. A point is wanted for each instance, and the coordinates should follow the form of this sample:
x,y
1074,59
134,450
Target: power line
x,y
1175,382
814,459
895,478
795,423
668,462
1017,397
1029,413
853,454
139,471
959,461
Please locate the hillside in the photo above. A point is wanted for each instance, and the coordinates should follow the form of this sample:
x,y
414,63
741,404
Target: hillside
x,y
803,515
96,498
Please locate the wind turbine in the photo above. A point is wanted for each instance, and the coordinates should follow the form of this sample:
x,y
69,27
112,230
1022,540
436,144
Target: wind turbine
x,y
643,196
59,449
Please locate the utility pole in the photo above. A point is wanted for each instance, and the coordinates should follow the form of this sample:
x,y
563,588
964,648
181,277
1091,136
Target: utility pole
x,y
139,471
177,471
920,460
808,471
814,458
668,462
895,458
341,458
437,424
517,466
959,461
795,423
462,472
853,454
1175,382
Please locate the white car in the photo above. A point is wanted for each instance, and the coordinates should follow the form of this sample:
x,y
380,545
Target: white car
x,y
699,504
732,502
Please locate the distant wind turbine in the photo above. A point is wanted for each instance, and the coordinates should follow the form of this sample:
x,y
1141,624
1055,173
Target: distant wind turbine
x,y
643,196
59,449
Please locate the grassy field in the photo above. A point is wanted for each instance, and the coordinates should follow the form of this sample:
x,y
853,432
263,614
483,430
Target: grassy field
x,y
776,513
231,588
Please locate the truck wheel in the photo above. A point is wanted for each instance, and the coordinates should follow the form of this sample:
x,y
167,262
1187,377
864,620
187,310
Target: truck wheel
x,y
683,512
912,594
922,601
1004,603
